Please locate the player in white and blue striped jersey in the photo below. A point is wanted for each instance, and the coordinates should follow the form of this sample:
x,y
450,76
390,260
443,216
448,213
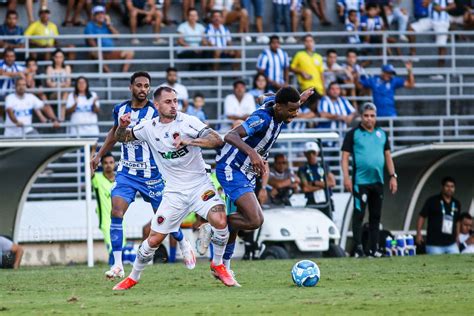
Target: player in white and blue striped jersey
x,y
137,170
274,64
243,156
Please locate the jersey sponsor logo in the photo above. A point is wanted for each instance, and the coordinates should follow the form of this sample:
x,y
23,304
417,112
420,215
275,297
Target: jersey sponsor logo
x,y
153,182
208,195
160,220
153,194
256,123
175,154
139,165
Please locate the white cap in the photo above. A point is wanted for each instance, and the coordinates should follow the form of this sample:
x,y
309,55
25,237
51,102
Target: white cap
x,y
98,9
311,146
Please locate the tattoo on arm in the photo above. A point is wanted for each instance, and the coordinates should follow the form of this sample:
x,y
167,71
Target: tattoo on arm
x,y
123,135
217,208
208,138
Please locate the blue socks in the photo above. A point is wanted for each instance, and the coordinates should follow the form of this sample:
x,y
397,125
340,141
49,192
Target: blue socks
x,y
116,239
229,251
178,235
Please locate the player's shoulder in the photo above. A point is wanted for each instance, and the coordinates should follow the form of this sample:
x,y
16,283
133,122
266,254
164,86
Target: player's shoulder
x,y
120,105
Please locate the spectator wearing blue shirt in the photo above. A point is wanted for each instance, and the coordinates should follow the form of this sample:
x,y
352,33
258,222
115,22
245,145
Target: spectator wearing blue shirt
x,y
383,88
353,28
344,7
195,109
102,25
11,28
420,9
274,64
372,22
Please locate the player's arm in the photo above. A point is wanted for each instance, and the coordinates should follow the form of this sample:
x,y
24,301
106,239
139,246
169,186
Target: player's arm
x,y
234,137
207,138
345,170
124,134
18,251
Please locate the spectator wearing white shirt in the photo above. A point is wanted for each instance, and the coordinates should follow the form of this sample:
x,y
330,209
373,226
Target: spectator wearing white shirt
x,y
274,64
438,21
83,106
240,104
219,36
192,36
335,108
466,235
20,107
181,91
333,72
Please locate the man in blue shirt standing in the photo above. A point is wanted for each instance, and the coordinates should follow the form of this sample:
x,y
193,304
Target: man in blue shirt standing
x,y
369,146
383,88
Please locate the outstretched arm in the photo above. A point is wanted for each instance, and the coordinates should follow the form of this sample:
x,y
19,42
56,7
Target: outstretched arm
x,y
209,138
124,134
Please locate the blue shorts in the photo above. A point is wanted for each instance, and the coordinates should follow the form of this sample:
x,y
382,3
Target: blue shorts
x,y
235,184
126,187
257,6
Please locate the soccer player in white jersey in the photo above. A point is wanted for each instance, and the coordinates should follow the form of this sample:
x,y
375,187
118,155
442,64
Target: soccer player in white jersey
x,y
243,158
137,172
175,140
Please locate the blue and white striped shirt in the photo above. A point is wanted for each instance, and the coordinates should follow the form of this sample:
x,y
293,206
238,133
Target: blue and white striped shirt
x,y
348,5
214,38
353,38
371,24
262,131
8,85
136,158
341,106
283,2
274,64
442,16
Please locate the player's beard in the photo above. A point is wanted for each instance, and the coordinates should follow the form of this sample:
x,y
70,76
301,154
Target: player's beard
x,y
140,97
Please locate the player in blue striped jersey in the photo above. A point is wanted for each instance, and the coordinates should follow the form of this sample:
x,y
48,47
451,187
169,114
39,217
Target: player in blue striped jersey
x,y
242,159
137,170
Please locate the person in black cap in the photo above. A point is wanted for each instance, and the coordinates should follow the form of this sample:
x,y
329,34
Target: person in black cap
x,y
383,87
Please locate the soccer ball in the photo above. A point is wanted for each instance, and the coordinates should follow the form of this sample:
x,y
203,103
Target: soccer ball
x,y
305,273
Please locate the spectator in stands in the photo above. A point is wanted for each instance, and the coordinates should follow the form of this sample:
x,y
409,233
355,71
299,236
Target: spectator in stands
x,y
83,107
300,12
442,211
383,87
371,22
32,82
466,234
438,21
139,12
102,24
28,6
344,7
219,36
260,87
11,28
335,108
74,8
20,107
196,108
192,37
281,15
233,12
309,67
258,13
59,78
43,27
315,178
333,72
370,149
352,28
274,64
283,181
319,9
392,12
421,9
469,16
181,90
354,71
11,69
240,104
10,254
456,15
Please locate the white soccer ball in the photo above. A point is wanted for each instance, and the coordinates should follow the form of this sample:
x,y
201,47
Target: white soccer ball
x,y
305,273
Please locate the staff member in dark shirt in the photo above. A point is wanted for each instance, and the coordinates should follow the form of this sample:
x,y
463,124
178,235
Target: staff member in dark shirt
x,y
442,211
370,150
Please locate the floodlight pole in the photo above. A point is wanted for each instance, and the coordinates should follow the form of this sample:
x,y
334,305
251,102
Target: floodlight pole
x,y
89,210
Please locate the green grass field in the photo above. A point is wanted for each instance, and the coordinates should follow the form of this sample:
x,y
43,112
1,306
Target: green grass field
x,y
411,285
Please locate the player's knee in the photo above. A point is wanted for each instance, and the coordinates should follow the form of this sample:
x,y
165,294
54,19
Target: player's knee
x,y
256,222
154,241
117,212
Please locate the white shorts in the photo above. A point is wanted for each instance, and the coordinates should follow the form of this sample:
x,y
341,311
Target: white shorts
x,y
456,19
176,205
426,25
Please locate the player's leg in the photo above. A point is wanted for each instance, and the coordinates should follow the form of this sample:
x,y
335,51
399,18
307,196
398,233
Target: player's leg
x,y
374,201
360,200
249,215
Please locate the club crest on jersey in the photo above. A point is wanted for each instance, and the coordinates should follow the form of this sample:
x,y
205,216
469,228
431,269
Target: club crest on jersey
x,y
208,195
175,135
160,220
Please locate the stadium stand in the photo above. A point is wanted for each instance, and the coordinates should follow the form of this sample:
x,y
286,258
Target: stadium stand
x,y
435,111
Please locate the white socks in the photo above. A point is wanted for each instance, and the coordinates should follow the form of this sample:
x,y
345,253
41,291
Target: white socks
x,y
118,259
144,255
219,241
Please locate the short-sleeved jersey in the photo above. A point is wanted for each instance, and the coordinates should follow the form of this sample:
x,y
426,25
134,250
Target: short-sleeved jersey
x,y
39,29
23,108
368,23
383,93
262,130
341,106
368,154
7,85
182,168
313,65
274,64
136,158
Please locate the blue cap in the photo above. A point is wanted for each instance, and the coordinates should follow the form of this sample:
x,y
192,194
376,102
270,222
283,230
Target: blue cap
x,y
389,68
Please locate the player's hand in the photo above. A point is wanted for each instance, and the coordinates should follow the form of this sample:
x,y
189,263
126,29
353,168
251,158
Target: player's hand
x,y
258,163
419,239
262,196
348,184
393,185
94,163
125,120
306,94
178,142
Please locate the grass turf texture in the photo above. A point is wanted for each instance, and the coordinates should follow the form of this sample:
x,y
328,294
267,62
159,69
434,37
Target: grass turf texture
x,y
433,285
